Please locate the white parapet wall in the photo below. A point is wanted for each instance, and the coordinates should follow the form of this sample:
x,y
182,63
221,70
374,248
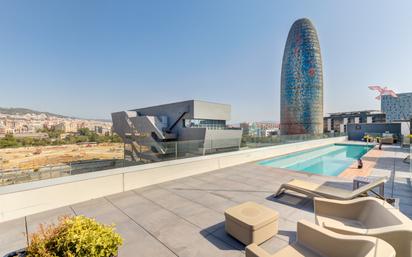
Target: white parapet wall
x,y
29,198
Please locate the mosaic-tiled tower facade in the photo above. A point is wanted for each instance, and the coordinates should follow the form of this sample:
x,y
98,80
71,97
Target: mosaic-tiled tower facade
x,y
397,108
301,96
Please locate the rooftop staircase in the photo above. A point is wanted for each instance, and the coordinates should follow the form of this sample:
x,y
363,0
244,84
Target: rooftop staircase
x,y
145,136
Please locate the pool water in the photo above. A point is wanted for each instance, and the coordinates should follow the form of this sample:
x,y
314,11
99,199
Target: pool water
x,y
328,160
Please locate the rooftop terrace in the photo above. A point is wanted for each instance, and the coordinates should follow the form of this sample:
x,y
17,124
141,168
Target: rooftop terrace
x,y
184,217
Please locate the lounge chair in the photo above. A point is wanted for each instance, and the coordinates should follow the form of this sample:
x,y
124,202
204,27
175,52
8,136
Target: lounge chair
x,y
315,241
367,216
319,190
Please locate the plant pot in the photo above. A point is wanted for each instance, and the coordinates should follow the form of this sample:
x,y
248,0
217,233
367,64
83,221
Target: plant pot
x,y
22,253
19,253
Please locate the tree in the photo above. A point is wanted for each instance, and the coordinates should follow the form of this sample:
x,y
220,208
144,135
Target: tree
x,y
84,132
8,141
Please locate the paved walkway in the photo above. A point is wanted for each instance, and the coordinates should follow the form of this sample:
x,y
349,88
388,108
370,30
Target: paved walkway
x,y
185,217
369,161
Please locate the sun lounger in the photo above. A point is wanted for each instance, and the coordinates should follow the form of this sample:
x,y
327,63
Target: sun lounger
x,y
367,216
315,241
319,190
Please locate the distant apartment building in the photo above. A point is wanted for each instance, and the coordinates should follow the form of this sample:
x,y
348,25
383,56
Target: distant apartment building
x,y
338,122
266,125
260,129
102,130
35,126
271,132
27,124
245,128
98,129
60,127
66,127
173,130
397,108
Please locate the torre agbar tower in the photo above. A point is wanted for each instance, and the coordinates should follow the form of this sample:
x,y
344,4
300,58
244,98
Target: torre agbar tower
x,y
301,96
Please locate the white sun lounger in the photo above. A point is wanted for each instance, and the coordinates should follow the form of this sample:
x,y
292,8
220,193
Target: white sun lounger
x,y
319,190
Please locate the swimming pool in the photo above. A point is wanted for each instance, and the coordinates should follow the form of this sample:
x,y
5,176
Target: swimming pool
x,y
328,160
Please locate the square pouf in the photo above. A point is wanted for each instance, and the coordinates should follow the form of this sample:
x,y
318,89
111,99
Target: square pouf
x,y
251,223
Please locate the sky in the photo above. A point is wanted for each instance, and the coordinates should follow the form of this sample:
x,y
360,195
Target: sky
x,y
91,58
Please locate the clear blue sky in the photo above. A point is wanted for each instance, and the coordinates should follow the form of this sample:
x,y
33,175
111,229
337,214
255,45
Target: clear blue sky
x,y
90,58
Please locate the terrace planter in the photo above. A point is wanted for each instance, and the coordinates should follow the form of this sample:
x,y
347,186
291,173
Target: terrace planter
x,y
75,236
18,253
23,253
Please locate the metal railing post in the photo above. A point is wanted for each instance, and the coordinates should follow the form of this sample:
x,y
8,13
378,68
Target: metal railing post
x,y
175,149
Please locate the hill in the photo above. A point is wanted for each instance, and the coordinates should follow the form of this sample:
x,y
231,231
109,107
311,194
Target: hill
x,y
22,111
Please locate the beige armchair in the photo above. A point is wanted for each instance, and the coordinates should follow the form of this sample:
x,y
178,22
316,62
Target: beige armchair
x,y
366,216
315,241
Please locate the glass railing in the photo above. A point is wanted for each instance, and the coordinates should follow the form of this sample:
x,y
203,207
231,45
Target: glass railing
x,y
399,164
160,151
407,143
17,176
256,142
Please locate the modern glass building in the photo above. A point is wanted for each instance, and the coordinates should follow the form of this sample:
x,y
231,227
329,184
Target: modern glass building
x,y
302,81
169,131
397,108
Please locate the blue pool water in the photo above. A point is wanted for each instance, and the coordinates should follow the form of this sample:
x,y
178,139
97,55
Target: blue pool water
x,y
328,160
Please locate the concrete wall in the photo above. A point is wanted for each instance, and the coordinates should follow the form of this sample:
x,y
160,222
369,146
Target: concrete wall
x,y
192,134
29,198
357,131
211,111
405,127
222,138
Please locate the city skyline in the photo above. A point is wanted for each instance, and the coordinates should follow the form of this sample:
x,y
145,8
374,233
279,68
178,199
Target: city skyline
x,y
79,59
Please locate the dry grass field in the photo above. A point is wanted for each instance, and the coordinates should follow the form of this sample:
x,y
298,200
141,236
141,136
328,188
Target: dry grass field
x,y
36,157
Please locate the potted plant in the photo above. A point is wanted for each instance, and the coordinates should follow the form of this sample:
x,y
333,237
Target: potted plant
x,y
76,236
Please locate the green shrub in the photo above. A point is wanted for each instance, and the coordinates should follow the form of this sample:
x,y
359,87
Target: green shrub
x,y
74,237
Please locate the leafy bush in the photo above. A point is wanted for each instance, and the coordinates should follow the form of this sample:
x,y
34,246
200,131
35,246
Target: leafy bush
x,y
74,236
85,135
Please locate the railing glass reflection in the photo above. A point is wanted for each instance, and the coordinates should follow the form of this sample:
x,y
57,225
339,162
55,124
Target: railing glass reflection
x,y
173,150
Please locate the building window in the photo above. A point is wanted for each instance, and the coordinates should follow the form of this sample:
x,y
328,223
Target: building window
x,y
199,123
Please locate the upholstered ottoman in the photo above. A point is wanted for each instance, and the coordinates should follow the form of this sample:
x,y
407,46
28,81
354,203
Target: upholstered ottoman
x,y
251,223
